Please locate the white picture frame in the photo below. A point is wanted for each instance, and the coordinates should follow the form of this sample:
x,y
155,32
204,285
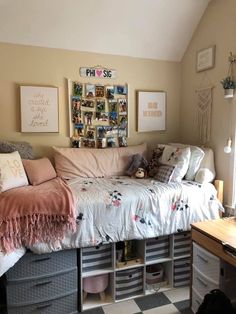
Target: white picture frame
x,y
151,107
205,59
39,109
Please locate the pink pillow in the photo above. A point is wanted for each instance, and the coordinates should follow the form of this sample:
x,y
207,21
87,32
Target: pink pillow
x,y
92,162
39,170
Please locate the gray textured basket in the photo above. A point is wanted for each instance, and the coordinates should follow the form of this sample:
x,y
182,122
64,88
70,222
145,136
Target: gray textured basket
x,y
129,283
157,248
182,244
32,265
182,271
36,291
63,305
94,258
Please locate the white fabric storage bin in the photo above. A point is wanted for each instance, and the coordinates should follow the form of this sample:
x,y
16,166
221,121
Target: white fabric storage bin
x,y
95,258
206,262
157,248
182,243
181,272
203,284
129,283
196,300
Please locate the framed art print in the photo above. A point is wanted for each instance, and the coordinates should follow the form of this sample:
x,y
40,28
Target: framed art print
x,y
39,109
151,111
206,59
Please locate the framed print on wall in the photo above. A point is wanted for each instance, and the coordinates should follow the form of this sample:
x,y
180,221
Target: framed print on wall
x,y
39,109
206,59
151,107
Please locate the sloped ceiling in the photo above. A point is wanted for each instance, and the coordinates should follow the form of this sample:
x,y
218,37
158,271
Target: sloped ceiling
x,y
155,29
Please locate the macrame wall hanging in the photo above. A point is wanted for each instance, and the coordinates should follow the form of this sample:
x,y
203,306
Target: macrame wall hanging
x,y
204,104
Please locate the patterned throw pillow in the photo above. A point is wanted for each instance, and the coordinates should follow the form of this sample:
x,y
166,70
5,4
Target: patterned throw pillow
x,y
178,157
12,173
164,173
154,163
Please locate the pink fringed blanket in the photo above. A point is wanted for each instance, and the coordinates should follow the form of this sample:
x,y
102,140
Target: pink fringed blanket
x,y
31,214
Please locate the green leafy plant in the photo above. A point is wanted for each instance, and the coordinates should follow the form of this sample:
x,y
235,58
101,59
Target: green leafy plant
x,y
228,83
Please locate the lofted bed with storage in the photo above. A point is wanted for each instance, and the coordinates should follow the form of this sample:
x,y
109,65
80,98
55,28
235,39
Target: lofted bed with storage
x,y
108,236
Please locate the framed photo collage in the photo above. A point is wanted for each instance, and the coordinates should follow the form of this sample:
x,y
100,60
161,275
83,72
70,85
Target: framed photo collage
x,y
98,115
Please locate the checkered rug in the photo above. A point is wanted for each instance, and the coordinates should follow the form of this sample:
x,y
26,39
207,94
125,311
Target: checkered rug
x,y
170,302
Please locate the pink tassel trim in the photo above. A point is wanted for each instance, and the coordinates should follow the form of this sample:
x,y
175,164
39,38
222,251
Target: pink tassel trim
x,y
28,230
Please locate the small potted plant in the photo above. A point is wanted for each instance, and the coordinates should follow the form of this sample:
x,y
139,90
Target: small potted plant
x,y
229,86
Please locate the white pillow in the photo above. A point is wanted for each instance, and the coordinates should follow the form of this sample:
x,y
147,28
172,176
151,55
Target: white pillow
x,y
204,175
206,172
178,157
12,173
196,157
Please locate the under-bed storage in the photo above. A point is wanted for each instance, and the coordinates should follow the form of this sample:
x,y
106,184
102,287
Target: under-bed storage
x,y
44,283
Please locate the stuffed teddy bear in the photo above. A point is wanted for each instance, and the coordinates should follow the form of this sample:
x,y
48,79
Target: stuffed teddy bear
x,y
140,173
137,161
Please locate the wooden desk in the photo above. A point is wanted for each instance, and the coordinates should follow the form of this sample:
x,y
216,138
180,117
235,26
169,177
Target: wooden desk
x,y
218,237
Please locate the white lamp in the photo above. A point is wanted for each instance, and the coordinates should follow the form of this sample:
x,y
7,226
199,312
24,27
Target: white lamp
x,y
227,148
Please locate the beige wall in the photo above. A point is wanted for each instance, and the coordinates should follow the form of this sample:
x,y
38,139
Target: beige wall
x,y
44,66
217,27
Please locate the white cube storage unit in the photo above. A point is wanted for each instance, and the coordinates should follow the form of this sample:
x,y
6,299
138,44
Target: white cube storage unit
x,y
128,279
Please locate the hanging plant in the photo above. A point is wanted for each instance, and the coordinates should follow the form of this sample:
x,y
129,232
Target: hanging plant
x,y
229,87
228,82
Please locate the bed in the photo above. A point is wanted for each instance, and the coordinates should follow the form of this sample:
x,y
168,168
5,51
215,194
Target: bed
x,y
111,207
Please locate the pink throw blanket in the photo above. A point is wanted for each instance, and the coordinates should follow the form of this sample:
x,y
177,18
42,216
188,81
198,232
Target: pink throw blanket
x,y
31,214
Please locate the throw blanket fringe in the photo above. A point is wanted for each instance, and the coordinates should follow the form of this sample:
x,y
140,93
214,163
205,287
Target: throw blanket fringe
x,y
47,219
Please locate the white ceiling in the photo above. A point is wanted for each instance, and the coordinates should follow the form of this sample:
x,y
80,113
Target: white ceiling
x,y
155,29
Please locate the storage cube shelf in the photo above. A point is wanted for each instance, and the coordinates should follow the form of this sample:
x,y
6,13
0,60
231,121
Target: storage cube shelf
x,y
127,279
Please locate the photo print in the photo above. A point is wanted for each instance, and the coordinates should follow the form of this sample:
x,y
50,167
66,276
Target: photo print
x,y
110,92
122,133
76,117
104,117
76,103
122,141
121,89
99,91
90,132
87,103
112,105
77,89
122,106
123,122
88,116
90,143
101,105
90,90
113,118
111,142
79,129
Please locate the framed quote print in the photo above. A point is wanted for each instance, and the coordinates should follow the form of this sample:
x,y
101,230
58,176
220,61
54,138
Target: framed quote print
x,y
151,107
39,109
205,59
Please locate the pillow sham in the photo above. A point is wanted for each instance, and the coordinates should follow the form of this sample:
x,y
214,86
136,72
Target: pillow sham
x,y
196,157
164,173
12,173
178,157
39,170
25,149
94,163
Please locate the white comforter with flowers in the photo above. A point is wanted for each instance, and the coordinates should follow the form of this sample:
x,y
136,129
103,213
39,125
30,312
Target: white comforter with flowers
x,y
122,208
